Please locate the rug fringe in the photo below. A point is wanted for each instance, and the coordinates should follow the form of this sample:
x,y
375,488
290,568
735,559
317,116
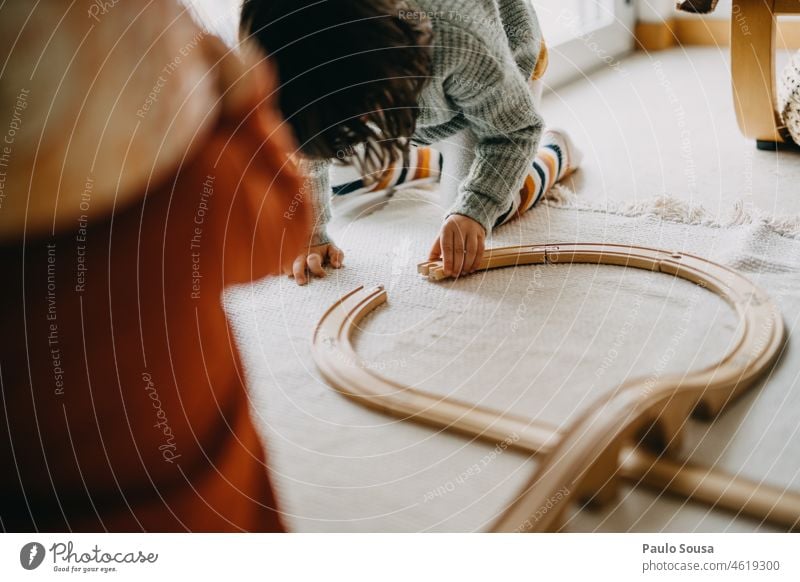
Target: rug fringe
x,y
671,209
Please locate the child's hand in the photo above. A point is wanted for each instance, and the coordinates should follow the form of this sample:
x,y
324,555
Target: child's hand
x,y
313,260
459,244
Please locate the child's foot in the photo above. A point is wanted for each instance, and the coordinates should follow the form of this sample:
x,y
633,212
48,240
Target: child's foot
x,y
566,152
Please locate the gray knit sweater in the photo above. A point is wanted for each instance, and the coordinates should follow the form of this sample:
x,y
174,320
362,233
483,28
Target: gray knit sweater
x,y
484,53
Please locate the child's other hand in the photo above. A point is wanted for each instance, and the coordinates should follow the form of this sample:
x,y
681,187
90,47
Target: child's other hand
x,y
460,245
312,262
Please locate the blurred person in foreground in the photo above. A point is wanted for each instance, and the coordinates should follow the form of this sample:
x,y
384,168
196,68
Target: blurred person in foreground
x,y
143,170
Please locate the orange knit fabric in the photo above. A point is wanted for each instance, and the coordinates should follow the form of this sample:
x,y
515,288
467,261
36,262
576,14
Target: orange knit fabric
x,y
123,399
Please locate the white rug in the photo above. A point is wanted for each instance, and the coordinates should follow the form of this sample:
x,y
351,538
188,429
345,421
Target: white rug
x,y
541,341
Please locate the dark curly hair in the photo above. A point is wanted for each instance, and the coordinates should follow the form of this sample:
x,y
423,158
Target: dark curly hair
x,y
351,72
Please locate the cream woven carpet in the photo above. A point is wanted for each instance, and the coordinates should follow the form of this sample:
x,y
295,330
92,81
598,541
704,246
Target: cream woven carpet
x,y
541,341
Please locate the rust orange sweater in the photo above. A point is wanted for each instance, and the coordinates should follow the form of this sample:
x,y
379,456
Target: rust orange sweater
x,y
123,399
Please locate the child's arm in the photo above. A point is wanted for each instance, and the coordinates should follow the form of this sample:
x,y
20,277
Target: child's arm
x,y
508,128
497,103
316,188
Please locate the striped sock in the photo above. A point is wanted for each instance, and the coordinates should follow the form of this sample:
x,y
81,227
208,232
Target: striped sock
x,y
420,166
556,159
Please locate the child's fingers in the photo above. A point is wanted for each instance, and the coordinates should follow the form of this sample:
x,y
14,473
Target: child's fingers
x,y
459,252
336,257
472,251
447,251
436,250
314,263
299,270
479,250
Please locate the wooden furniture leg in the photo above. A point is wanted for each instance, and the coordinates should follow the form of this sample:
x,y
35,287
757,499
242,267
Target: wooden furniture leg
x,y
753,25
753,29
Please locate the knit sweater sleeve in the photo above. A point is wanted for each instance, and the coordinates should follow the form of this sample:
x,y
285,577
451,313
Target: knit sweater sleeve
x,y
494,97
317,186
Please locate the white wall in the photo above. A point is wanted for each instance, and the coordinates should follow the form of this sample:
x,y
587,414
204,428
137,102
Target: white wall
x,y
655,10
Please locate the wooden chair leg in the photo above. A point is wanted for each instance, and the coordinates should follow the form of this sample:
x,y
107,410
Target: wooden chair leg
x,y
753,70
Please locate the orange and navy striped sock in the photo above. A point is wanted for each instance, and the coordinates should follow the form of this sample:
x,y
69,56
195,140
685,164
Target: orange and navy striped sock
x,y
421,165
556,159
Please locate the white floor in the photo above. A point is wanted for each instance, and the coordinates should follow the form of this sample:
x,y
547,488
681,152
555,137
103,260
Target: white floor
x,y
664,123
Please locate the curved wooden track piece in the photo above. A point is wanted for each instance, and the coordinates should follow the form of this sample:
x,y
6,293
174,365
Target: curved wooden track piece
x,y
609,442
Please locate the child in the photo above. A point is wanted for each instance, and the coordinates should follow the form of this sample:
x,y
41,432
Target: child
x,y
382,74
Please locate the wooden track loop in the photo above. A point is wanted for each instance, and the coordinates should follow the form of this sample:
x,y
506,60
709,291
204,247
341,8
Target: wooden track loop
x,y
628,434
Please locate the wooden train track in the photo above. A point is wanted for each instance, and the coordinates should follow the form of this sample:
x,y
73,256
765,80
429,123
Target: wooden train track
x,y
630,434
